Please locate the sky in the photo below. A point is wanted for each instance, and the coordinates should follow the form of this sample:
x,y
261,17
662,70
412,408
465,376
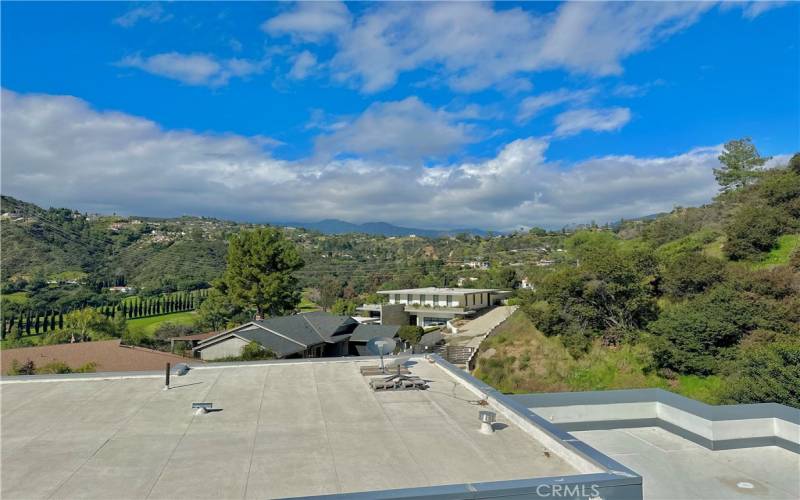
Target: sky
x,y
432,115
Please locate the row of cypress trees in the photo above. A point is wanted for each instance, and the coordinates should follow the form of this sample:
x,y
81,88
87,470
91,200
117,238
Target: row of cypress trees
x,y
34,323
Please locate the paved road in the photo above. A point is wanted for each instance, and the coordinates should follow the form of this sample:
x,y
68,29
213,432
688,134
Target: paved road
x,y
472,333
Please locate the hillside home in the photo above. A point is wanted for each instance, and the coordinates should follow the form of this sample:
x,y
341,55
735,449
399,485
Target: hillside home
x,y
306,335
432,306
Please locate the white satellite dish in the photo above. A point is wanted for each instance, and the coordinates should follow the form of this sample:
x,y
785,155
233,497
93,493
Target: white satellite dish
x,y
381,346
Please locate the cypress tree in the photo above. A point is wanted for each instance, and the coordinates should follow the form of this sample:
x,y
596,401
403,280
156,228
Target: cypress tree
x,y
46,322
36,324
60,320
52,320
28,324
19,327
124,311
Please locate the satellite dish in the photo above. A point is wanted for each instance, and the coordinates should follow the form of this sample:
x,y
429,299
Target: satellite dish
x,y
381,346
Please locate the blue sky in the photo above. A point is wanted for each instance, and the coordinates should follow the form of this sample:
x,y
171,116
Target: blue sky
x,y
436,115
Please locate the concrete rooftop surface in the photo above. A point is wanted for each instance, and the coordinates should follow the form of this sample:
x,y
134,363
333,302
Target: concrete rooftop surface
x,y
675,468
284,429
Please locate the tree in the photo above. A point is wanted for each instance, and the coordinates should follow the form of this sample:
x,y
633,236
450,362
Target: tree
x,y
330,289
696,336
501,277
766,374
740,164
691,273
794,163
753,230
411,333
216,310
87,324
344,307
260,272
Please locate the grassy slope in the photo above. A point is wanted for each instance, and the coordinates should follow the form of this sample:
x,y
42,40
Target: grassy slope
x,y
150,324
779,255
519,358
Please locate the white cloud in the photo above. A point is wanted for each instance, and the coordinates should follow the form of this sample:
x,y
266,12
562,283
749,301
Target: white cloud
x,y
406,130
57,150
576,121
304,64
152,12
472,45
751,10
194,69
533,105
310,21
627,90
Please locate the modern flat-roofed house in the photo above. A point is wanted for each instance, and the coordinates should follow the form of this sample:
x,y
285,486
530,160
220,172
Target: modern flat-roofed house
x,y
306,335
432,305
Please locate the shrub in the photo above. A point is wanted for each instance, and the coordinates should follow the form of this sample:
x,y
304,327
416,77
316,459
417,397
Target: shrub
x,y
54,367
752,231
766,373
411,333
692,273
26,368
255,351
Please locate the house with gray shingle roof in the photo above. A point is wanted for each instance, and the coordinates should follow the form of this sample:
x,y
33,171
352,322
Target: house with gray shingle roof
x,y
306,335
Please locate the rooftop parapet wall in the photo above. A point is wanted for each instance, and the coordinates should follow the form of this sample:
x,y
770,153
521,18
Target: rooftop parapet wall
x,y
715,427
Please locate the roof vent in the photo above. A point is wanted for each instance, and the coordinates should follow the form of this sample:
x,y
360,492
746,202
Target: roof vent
x,y
487,418
202,408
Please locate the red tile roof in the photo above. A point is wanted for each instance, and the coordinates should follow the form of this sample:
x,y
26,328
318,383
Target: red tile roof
x,y
109,356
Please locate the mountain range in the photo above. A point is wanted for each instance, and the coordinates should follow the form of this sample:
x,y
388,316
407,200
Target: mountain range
x,y
336,226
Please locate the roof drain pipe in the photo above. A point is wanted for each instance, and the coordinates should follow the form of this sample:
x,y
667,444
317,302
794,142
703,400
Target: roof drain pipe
x,y
166,381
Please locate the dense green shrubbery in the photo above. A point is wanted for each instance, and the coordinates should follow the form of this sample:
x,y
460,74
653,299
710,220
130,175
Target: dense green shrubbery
x,y
738,322
753,230
691,273
766,373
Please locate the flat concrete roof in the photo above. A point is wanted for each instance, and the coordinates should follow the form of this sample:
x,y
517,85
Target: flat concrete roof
x,y
284,429
443,291
673,467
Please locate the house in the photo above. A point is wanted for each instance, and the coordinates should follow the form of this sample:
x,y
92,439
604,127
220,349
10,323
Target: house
x,y
431,306
121,289
307,335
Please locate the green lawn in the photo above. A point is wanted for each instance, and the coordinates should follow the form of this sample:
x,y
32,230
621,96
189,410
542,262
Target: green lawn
x,y
307,304
150,324
779,255
17,297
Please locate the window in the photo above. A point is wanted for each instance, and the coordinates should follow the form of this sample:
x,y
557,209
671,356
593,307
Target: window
x,y
408,298
435,300
449,300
